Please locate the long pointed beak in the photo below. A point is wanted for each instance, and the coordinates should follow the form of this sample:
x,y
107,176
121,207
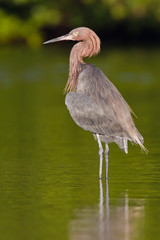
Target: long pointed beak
x,y
62,38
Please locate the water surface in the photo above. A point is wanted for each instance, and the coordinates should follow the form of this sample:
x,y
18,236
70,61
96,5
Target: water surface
x,y
49,186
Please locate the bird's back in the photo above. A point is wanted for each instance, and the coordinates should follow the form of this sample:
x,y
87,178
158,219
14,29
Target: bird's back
x,y
98,106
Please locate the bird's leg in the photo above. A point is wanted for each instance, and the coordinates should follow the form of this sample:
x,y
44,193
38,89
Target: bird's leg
x,y
106,158
100,156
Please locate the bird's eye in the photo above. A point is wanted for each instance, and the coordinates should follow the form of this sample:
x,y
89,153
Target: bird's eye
x,y
75,34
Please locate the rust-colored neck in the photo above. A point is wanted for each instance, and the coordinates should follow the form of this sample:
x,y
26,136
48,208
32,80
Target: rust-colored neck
x,y
80,50
74,67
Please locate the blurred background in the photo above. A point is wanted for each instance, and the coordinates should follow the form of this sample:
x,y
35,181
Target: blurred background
x,y
30,21
49,186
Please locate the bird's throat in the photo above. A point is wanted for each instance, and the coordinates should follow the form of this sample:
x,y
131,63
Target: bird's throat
x,y
75,61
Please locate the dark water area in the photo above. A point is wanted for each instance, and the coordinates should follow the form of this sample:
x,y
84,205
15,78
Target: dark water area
x,y
49,186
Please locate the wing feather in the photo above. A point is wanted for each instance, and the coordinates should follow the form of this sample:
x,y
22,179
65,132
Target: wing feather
x,y
88,115
98,106
95,84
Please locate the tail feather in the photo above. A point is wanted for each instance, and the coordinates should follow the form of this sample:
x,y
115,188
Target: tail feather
x,y
140,142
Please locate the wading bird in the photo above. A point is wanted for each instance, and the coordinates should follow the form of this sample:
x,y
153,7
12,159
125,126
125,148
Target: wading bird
x,y
93,101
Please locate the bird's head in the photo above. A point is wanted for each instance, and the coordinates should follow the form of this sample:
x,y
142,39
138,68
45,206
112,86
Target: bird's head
x,y
83,34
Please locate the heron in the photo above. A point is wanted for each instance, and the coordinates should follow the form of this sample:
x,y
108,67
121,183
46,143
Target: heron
x,y
93,101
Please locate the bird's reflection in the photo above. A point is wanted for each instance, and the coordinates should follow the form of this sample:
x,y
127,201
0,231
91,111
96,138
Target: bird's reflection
x,y
102,217
119,221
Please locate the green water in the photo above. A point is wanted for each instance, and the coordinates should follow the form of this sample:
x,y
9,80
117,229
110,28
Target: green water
x,y
49,187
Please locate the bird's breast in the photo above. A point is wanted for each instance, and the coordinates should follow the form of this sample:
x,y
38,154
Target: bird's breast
x,y
84,80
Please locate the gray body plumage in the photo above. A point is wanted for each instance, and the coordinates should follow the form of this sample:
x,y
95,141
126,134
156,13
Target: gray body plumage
x,y
98,107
